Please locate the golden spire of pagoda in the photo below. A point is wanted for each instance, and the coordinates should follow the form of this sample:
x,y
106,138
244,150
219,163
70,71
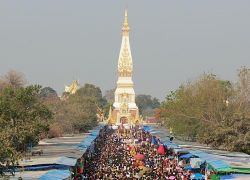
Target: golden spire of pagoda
x,y
125,27
125,64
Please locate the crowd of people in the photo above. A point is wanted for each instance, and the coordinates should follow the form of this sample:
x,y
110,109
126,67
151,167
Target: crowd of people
x,y
128,154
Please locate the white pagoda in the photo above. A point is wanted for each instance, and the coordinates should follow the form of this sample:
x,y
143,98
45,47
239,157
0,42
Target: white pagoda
x,y
125,109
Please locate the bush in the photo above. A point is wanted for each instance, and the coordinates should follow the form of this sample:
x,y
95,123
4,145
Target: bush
x,y
55,131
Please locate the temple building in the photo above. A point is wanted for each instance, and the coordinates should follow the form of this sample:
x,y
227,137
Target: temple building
x,y
73,87
125,110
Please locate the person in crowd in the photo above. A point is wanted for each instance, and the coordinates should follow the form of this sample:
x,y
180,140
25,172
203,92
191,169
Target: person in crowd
x,y
128,154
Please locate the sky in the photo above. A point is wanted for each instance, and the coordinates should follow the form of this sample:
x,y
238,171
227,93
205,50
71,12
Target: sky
x,y
54,42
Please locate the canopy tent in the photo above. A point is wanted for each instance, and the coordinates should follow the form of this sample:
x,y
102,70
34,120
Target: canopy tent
x,y
94,133
89,139
235,176
204,156
213,163
40,167
58,163
56,175
181,151
219,165
196,162
66,161
216,165
86,141
171,145
188,156
189,168
155,132
234,170
197,176
151,129
165,139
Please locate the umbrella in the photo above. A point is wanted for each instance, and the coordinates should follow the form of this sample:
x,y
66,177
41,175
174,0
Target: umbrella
x,y
188,168
178,168
172,177
197,176
139,157
161,150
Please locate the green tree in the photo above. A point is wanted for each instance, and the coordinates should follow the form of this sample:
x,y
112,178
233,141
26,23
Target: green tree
x,y
84,110
211,111
23,118
48,92
146,104
78,112
92,91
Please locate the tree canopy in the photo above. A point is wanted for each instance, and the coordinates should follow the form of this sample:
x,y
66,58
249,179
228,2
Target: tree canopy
x,y
91,91
211,111
12,79
23,119
78,112
147,104
48,92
